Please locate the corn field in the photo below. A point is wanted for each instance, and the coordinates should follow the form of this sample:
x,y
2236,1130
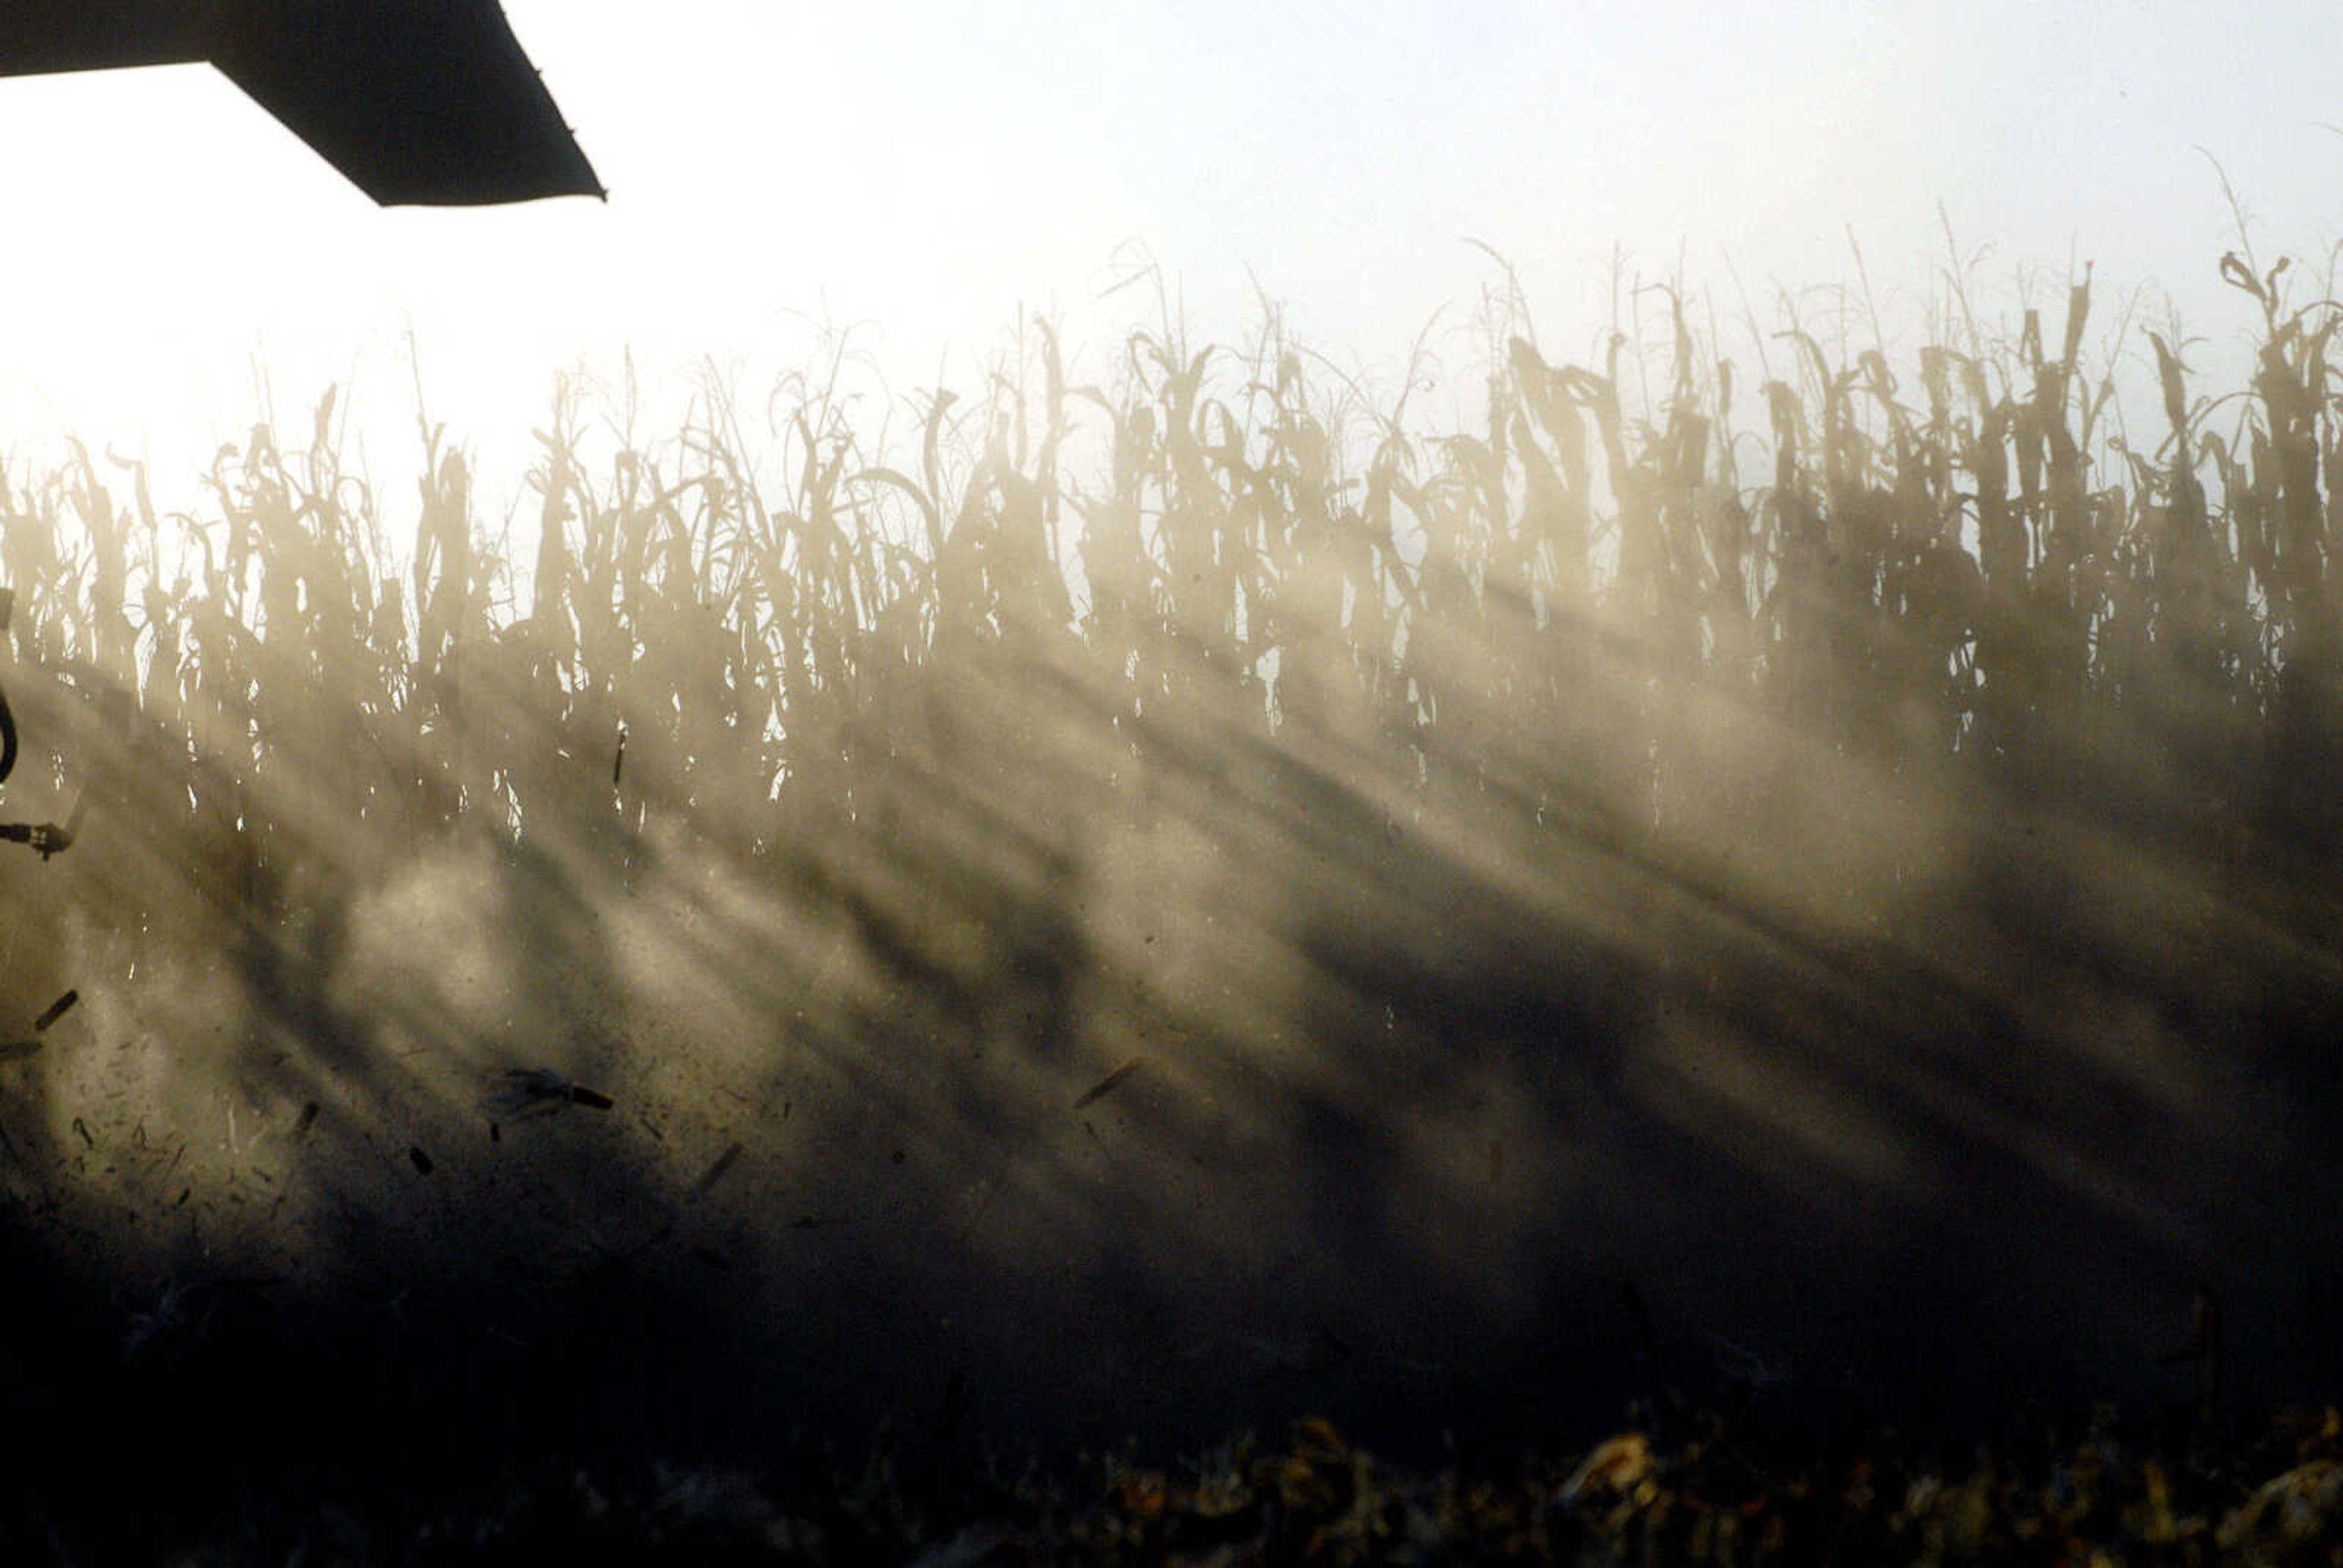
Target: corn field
x,y
1212,720
1546,629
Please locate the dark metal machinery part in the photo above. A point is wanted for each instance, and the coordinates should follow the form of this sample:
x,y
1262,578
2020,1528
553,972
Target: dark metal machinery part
x,y
7,719
418,102
49,838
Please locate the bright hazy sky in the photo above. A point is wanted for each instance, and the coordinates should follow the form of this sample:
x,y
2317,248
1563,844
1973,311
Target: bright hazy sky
x,y
920,170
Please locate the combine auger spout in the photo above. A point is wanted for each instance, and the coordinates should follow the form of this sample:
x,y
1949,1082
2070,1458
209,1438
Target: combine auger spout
x,y
420,103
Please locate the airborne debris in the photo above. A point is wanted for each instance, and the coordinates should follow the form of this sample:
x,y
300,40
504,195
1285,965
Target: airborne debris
x,y
715,1172
521,1092
15,1050
1107,1085
422,1161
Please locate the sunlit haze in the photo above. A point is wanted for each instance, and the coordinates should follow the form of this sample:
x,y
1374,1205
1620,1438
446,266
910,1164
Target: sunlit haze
x,y
923,172
1117,911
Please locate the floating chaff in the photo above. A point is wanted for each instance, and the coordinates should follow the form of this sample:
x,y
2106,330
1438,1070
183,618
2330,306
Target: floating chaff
x,y
715,1172
56,1010
1107,1085
17,1051
522,1092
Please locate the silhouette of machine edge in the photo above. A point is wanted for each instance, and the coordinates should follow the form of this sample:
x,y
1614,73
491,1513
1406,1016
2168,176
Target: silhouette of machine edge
x,y
417,101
